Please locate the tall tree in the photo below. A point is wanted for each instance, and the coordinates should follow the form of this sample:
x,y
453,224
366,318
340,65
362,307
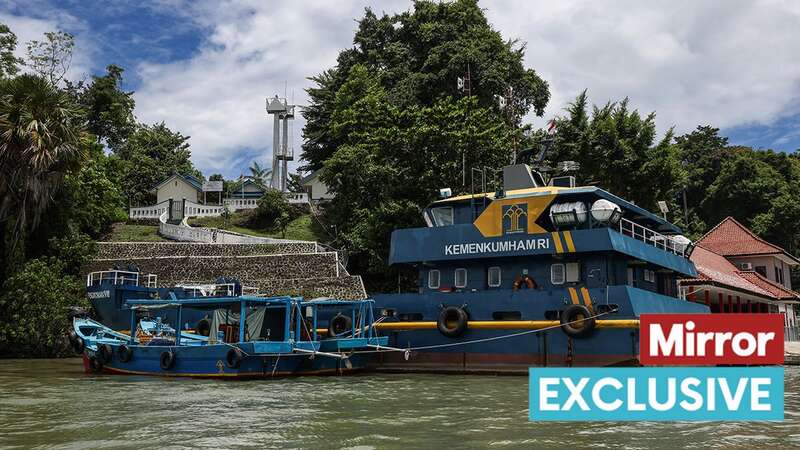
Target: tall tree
x,y
617,148
109,109
417,57
51,58
9,64
41,140
150,154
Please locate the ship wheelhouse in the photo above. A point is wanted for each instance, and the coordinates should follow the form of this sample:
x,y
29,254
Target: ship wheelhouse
x,y
544,238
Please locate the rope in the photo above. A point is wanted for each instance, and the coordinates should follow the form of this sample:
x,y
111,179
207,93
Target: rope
x,y
494,338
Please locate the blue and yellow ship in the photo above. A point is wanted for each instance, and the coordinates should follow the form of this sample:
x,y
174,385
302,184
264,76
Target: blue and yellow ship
x,y
534,274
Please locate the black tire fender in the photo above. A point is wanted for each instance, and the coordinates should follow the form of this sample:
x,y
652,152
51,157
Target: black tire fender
x,y
124,353
167,360
453,321
577,321
233,359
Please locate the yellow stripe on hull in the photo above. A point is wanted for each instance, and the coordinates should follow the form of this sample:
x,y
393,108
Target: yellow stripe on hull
x,y
505,324
557,242
568,241
574,296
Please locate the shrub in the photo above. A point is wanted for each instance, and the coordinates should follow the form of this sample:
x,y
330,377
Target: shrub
x,y
273,212
34,307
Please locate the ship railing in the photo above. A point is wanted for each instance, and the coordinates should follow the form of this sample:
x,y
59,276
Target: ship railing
x,y
654,238
120,277
216,289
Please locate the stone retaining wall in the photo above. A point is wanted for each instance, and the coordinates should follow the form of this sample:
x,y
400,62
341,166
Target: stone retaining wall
x,y
125,250
173,270
342,288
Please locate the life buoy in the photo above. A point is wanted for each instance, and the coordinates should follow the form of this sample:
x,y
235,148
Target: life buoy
x,y
124,353
105,353
203,327
339,325
577,321
95,364
167,360
233,359
526,279
452,321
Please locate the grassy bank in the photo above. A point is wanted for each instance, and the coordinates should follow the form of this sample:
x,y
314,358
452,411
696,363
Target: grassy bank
x,y
124,232
303,228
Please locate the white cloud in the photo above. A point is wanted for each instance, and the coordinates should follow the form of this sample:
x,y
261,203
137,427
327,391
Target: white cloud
x,y
255,50
29,28
721,63
726,64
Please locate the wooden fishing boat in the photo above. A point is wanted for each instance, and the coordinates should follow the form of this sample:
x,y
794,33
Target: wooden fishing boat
x,y
251,337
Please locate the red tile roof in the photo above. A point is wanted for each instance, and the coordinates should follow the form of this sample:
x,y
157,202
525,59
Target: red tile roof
x,y
730,238
714,268
773,288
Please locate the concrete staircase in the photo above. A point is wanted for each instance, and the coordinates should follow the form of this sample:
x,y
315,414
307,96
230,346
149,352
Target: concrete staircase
x,y
281,268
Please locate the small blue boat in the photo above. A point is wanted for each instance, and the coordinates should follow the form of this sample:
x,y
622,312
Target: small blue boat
x,y
252,337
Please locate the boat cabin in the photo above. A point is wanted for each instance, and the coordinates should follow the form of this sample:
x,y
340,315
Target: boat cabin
x,y
529,235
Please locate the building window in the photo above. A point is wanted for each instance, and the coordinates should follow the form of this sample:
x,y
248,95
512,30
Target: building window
x,y
762,270
573,274
442,216
649,276
461,278
779,275
493,277
434,278
557,275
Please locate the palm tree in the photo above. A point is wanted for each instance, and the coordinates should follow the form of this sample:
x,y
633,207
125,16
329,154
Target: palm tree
x,y
41,139
261,174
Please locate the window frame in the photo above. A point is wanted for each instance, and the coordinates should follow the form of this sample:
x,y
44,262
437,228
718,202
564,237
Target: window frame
x,y
577,267
649,275
438,279
455,278
563,273
499,276
435,216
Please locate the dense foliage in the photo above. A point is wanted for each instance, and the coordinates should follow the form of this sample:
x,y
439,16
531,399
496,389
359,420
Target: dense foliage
x,y
390,125
34,305
55,138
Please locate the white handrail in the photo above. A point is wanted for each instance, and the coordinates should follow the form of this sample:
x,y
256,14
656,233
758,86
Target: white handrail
x,y
648,236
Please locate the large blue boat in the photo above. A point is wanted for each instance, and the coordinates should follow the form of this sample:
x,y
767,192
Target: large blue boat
x,y
534,274
256,337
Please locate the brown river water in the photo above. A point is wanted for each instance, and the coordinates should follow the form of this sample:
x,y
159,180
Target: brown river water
x,y
53,404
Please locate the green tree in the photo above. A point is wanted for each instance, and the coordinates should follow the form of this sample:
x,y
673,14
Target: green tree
x,y
35,305
617,149
149,155
260,174
273,211
744,188
9,64
393,160
51,57
109,109
417,57
41,141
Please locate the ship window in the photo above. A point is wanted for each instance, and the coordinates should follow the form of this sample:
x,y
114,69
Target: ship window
x,y
461,278
494,276
434,278
442,216
557,273
573,272
649,276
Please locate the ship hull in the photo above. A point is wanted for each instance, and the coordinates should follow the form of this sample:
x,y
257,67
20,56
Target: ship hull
x,y
513,351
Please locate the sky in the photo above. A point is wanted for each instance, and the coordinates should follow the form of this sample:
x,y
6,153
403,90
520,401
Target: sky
x,y
205,67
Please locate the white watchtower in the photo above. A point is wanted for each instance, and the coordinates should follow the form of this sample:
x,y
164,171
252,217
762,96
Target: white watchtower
x,y
281,152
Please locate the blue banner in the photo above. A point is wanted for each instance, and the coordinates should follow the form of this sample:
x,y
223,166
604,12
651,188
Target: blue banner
x,y
656,393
